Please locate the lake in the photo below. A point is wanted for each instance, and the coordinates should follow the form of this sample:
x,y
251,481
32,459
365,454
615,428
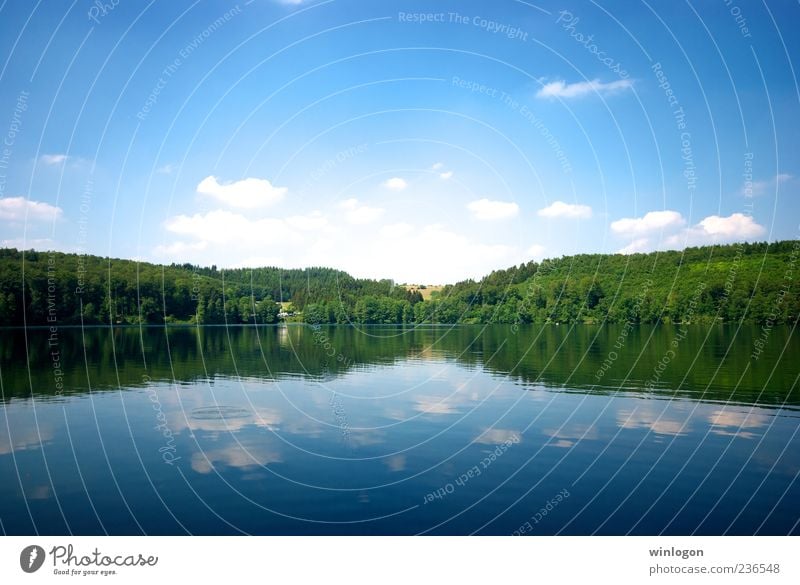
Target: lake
x,y
386,430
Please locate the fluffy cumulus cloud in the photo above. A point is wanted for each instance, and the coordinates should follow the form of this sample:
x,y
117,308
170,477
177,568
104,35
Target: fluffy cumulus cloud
x,y
366,239
313,221
719,230
245,194
536,251
432,254
395,184
231,239
358,214
446,175
559,209
636,246
19,209
562,89
669,229
225,227
650,222
397,230
403,250
487,210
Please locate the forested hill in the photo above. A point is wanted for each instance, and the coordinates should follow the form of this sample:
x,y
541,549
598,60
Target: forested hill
x,y
117,291
751,282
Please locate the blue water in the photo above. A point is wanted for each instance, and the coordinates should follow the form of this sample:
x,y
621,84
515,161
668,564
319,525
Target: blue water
x,y
384,431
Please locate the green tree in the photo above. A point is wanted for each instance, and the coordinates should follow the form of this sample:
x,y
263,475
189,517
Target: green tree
x,y
315,313
200,310
267,311
245,307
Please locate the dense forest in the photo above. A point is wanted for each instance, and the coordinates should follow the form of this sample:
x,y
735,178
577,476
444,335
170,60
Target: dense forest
x,y
46,288
738,282
750,282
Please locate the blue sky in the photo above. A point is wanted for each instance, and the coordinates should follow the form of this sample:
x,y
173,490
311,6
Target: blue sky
x,y
420,141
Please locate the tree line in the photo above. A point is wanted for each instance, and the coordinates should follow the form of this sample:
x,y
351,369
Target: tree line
x,y
54,288
752,282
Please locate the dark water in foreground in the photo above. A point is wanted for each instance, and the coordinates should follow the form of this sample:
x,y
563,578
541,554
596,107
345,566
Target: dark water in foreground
x,y
434,430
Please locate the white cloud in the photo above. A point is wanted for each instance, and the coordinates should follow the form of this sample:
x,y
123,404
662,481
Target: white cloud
x,y
358,214
30,244
232,237
313,221
670,227
718,230
53,159
563,89
248,193
166,169
22,209
178,249
430,254
487,210
225,227
397,230
567,210
444,175
636,246
736,225
535,251
259,261
652,221
395,184
758,188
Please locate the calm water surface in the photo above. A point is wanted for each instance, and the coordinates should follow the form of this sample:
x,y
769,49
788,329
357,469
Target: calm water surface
x,y
436,430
